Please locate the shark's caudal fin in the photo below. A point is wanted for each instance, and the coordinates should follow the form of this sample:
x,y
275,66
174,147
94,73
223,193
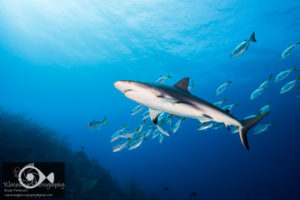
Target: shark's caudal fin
x,y
247,125
252,37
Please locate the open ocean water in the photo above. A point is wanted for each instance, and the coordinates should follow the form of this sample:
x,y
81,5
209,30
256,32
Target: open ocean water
x,y
59,61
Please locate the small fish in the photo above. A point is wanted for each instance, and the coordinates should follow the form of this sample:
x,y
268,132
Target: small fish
x,y
136,144
263,127
128,134
265,109
162,116
257,93
288,50
119,146
177,125
249,117
137,109
145,115
266,83
155,133
148,132
243,46
282,75
222,87
117,134
217,125
169,120
288,86
162,130
162,79
234,129
205,126
229,107
219,103
140,127
95,124
161,137
193,194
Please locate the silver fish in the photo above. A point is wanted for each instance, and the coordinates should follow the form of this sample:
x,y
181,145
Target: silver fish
x,y
162,79
282,75
177,125
229,107
135,144
155,133
219,103
161,137
288,50
137,109
266,83
222,87
205,126
119,146
263,127
265,109
117,134
288,86
243,46
257,93
163,131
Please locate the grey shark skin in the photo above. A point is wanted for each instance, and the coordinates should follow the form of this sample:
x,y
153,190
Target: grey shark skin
x,y
176,100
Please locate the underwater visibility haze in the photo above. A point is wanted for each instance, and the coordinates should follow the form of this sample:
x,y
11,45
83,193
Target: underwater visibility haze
x,y
61,68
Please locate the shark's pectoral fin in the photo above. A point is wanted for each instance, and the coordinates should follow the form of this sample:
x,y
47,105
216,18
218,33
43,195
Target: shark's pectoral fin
x,y
183,84
227,126
154,115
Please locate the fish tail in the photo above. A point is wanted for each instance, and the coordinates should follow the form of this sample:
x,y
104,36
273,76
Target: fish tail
x,y
224,99
271,77
297,42
247,125
104,121
229,81
252,38
295,69
272,123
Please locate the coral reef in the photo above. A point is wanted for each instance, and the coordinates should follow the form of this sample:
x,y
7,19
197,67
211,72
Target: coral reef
x,y
22,140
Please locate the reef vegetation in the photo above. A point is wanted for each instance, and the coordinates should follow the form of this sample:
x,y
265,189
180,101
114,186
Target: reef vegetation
x,y
22,140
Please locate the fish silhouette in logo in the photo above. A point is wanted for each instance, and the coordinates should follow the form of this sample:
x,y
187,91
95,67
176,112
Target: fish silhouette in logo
x,y
31,177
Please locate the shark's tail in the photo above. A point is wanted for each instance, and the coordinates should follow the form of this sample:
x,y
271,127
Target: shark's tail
x,y
247,125
252,37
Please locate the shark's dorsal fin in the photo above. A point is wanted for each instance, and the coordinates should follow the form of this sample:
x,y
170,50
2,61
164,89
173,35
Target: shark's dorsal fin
x,y
183,84
154,115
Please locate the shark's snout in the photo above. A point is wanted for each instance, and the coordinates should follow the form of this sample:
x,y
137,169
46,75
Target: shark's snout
x,y
123,86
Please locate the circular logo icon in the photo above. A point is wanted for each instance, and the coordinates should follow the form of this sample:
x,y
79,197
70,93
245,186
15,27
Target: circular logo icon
x,y
31,177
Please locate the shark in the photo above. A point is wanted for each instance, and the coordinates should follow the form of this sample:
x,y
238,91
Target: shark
x,y
178,101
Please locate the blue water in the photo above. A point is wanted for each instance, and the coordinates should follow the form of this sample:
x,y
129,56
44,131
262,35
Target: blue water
x,y
59,60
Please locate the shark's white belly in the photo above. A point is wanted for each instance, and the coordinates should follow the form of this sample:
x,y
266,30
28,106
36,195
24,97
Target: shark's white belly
x,y
181,109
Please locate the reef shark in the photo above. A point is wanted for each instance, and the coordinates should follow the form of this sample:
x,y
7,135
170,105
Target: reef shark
x,y
177,100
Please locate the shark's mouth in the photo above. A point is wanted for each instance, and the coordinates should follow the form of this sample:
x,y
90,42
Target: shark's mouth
x,y
128,90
